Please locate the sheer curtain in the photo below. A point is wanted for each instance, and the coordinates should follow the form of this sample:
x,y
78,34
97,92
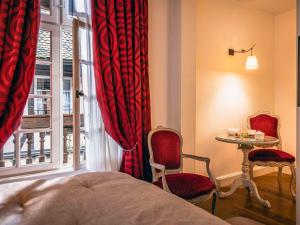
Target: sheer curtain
x,y
102,152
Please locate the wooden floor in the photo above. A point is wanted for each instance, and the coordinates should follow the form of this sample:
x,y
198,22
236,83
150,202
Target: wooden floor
x,y
283,208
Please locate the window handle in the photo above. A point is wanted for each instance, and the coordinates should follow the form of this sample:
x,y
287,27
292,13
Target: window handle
x,y
60,4
79,94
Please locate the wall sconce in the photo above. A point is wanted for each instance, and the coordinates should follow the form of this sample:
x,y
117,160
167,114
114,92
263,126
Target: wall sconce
x,y
251,62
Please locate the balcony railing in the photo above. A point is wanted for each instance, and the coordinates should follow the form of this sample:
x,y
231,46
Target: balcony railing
x,y
34,124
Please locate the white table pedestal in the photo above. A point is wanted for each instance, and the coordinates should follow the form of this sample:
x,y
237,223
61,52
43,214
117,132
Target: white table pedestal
x,y
245,180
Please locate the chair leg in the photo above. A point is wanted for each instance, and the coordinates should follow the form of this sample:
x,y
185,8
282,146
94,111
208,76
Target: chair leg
x,y
293,181
213,204
279,178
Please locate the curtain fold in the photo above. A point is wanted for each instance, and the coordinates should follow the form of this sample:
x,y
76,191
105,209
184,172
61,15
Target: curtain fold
x,y
19,26
102,152
120,51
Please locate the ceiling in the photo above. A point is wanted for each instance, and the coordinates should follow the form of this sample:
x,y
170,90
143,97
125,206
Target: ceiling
x,y
272,6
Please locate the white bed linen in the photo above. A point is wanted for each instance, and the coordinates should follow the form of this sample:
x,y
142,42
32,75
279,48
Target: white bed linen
x,y
108,198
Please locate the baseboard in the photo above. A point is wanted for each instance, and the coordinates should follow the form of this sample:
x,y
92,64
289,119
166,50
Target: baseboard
x,y
228,179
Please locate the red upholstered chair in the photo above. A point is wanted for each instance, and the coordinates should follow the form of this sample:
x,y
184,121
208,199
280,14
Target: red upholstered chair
x,y
270,156
165,148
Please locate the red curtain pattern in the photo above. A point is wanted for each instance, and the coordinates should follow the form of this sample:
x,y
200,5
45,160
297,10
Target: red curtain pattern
x,y
19,25
120,44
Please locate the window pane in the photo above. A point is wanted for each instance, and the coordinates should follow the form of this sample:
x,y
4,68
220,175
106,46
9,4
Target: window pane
x,y
83,44
45,7
35,147
67,52
84,72
82,144
71,8
79,6
67,97
67,55
83,77
42,70
9,153
44,46
42,86
67,85
38,106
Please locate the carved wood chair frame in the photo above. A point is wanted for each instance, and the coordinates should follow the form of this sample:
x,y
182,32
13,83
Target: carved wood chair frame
x,y
280,165
159,170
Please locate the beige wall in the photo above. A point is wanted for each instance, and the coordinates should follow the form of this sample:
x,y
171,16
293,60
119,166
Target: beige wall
x,y
188,79
285,77
298,120
173,68
164,62
158,61
226,92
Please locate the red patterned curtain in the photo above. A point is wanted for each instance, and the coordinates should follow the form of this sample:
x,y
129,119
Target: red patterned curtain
x,y
19,25
120,45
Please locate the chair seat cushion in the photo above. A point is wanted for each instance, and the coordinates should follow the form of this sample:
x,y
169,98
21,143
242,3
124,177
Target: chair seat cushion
x,y
187,185
270,155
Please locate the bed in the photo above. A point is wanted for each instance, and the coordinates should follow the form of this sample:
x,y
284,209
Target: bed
x,y
109,198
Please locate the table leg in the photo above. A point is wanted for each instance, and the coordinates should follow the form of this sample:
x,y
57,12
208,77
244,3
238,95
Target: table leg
x,y
245,180
236,183
254,192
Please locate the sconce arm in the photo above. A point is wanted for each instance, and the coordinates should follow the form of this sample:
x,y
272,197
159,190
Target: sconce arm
x,y
232,51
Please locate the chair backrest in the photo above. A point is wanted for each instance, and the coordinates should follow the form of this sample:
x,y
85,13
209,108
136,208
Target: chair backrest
x,y
165,147
266,123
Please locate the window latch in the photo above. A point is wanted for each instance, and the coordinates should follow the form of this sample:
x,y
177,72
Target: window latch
x,y
60,4
79,94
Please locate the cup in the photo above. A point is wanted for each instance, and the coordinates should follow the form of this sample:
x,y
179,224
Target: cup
x,y
259,135
232,131
251,132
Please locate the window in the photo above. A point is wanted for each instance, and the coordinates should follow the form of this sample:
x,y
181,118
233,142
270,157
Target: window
x,y
50,10
43,52
42,105
67,57
44,139
45,7
67,96
73,9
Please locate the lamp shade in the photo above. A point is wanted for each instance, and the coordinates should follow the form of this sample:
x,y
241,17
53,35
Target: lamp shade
x,y
251,63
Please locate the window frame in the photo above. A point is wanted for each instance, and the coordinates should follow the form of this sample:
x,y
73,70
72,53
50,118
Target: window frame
x,y
54,7
55,124
65,20
56,22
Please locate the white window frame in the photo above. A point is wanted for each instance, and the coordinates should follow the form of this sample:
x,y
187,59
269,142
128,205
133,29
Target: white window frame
x,y
77,25
55,22
54,7
56,116
65,20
